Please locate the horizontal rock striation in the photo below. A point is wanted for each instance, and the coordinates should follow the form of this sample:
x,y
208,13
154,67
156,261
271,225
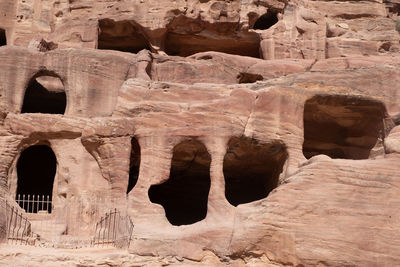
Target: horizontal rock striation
x,y
230,132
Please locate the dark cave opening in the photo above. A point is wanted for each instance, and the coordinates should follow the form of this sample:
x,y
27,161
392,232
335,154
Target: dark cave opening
x,y
245,77
45,94
124,36
134,165
266,21
184,44
393,9
184,195
251,169
3,38
346,127
36,168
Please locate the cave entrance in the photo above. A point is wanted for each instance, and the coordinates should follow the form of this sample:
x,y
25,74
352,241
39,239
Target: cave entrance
x,y
45,94
251,169
346,127
266,21
36,168
184,195
186,37
177,44
3,39
134,165
393,9
124,36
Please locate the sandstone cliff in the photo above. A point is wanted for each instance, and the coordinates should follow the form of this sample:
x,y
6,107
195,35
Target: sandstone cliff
x,y
258,133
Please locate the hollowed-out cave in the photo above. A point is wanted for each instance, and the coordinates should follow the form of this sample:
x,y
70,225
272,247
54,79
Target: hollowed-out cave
x,y
45,94
251,169
266,21
184,195
3,39
124,36
36,168
183,44
134,164
339,126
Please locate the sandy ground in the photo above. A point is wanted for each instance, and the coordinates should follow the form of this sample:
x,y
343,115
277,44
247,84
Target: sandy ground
x,y
19,255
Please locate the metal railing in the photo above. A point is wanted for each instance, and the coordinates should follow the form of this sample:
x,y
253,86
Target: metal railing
x,y
18,228
34,203
75,227
113,229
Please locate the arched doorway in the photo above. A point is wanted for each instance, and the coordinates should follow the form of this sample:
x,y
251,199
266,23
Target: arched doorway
x,y
45,94
36,168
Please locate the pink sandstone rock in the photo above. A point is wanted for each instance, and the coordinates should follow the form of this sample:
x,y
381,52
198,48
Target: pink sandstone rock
x,y
231,133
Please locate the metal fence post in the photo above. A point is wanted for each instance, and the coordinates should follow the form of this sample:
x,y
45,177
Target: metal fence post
x,y
7,223
26,229
23,202
27,210
114,230
15,224
19,227
108,227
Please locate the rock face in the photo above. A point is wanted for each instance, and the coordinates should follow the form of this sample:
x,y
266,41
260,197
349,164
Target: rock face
x,y
230,132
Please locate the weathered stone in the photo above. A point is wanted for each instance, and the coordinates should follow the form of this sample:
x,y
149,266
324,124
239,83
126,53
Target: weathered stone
x,y
257,133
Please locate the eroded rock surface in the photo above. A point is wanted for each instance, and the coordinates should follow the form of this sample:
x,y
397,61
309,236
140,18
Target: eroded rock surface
x,y
238,133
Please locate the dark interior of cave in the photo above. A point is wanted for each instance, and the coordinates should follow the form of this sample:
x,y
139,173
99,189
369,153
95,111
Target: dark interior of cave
x,y
177,44
184,195
124,36
245,77
38,99
394,9
266,21
251,169
134,165
3,39
346,127
36,168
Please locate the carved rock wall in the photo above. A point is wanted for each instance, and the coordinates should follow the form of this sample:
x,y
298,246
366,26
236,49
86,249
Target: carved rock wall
x,y
305,29
311,104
